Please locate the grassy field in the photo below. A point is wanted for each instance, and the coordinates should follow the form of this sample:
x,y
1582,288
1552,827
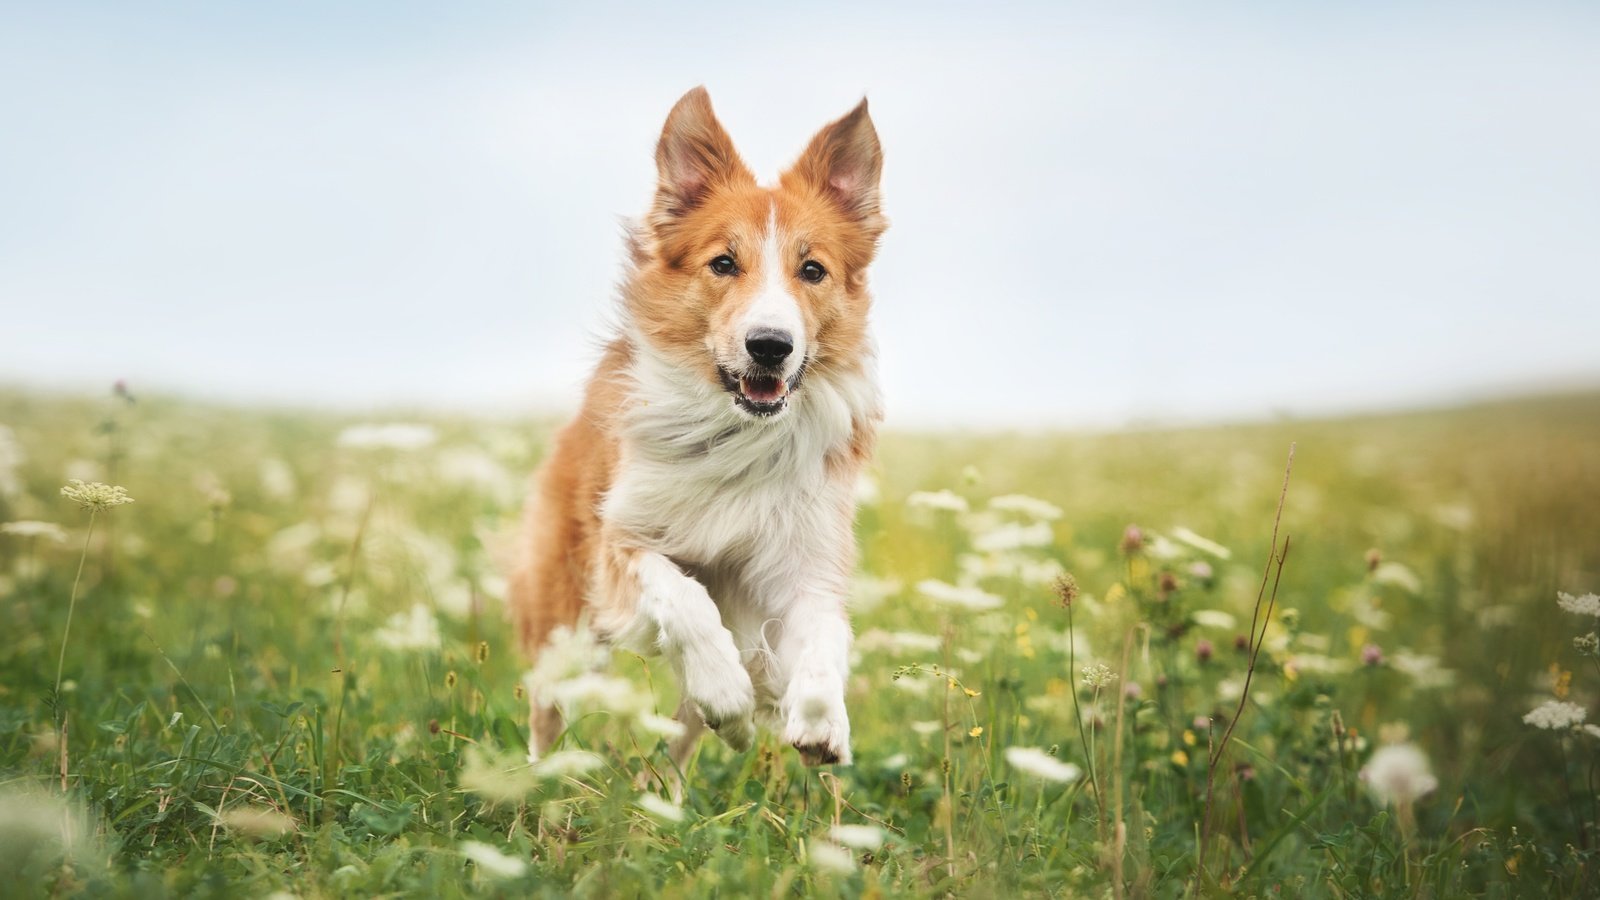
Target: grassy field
x,y
288,670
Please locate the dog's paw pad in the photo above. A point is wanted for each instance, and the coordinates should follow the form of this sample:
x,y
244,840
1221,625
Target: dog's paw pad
x,y
819,755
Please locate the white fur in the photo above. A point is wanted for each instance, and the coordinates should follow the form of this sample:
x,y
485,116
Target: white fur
x,y
746,539
774,306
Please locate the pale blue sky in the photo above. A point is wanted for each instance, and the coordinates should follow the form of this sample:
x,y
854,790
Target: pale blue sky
x,y
1100,215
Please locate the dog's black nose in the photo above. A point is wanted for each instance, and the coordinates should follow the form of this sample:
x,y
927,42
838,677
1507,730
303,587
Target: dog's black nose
x,y
769,346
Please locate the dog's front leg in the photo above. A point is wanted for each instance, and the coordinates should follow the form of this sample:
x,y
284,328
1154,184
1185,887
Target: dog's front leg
x,y
674,612
814,655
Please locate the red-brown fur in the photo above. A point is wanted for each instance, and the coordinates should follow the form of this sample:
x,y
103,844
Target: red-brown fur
x,y
570,560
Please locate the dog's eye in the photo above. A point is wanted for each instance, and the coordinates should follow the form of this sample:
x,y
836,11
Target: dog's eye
x,y
724,265
813,271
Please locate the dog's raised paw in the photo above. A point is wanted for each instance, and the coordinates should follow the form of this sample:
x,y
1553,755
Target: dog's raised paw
x,y
817,724
818,754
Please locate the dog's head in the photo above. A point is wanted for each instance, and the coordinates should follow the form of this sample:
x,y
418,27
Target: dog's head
x,y
753,287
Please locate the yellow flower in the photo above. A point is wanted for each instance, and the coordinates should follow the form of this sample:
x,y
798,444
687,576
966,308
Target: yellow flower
x,y
1180,759
971,692
1188,737
976,730
1561,681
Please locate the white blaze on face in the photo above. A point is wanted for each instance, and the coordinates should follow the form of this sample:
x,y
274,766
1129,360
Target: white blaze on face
x,y
774,305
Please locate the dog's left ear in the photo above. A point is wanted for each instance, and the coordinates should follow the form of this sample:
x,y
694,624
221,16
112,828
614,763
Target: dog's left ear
x,y
844,163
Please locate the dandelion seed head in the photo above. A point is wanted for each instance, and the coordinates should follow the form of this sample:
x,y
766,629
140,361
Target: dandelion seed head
x,y
1398,774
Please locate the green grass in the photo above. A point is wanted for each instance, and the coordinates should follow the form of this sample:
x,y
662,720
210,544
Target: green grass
x,y
227,658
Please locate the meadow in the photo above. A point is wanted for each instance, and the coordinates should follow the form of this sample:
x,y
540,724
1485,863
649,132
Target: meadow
x,y
1084,668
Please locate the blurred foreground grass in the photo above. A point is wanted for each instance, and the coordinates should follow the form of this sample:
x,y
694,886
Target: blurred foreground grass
x,y
289,669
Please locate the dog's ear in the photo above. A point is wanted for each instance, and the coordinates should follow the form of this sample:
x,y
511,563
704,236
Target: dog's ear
x,y
843,163
693,156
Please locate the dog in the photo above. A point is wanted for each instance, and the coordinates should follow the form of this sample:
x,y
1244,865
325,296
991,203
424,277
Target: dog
x,y
700,506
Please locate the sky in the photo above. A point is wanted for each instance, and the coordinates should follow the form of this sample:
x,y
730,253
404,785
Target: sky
x,y
1100,214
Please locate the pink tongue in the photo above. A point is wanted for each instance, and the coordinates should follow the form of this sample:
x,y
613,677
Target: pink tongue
x,y
762,390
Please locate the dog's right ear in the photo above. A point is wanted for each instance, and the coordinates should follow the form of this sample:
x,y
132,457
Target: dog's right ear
x,y
694,156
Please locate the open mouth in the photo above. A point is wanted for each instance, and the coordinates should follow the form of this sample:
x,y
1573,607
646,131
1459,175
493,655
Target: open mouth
x,y
760,392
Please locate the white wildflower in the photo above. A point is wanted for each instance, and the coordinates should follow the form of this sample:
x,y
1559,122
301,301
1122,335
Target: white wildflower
x,y
858,837
1586,605
868,592
1318,663
1556,715
1592,730
257,822
11,458
661,726
1214,618
28,528
830,857
593,691
1203,544
950,595
942,500
660,807
496,778
472,468
414,630
925,728
1398,774
1161,547
897,761
491,861
1039,764
277,479
1024,505
1454,515
1098,676
39,828
290,550
1424,670
1398,575
567,764
95,496
389,436
898,643
1013,536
